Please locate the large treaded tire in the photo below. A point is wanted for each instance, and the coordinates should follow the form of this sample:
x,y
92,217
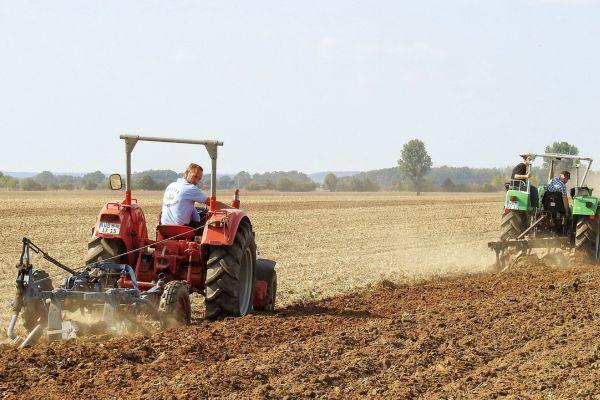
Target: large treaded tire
x,y
175,304
230,276
586,234
101,249
512,225
105,249
34,312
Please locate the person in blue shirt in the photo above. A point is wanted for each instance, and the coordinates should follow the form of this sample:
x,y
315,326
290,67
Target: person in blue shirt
x,y
180,198
559,184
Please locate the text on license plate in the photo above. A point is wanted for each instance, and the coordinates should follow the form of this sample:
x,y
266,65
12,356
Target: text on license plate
x,y
513,205
109,227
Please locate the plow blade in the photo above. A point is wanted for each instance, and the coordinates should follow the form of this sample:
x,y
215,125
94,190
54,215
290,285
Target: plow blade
x,y
562,242
508,251
111,300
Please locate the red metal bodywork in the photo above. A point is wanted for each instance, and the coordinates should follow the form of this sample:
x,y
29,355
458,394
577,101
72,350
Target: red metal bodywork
x,y
221,226
133,232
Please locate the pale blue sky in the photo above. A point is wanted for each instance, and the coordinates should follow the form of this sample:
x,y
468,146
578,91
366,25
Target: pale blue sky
x,y
295,85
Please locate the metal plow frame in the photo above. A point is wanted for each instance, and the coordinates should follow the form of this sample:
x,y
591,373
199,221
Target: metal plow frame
x,y
80,290
518,247
111,300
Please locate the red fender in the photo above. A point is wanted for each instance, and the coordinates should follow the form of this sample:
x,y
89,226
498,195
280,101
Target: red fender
x,y
222,225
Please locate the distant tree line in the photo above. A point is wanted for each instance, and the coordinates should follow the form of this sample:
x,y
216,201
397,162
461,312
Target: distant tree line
x,y
46,180
413,173
290,181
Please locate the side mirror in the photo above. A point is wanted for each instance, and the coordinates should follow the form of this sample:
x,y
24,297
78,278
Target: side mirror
x,y
572,192
115,182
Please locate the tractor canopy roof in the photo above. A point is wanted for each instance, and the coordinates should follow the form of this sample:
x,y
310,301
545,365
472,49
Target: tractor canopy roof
x,y
555,156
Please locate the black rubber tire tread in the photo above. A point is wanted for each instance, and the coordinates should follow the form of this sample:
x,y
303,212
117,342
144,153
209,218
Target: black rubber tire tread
x,y
512,225
586,234
35,313
169,303
223,275
100,249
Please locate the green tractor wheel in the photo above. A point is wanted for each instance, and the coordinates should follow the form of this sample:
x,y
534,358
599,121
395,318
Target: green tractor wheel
x,y
586,235
512,224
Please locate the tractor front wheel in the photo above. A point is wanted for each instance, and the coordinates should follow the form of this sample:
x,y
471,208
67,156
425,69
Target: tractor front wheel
x,y
512,225
586,235
230,276
175,304
34,312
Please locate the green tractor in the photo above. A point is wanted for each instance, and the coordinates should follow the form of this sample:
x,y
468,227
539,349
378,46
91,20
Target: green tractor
x,y
545,224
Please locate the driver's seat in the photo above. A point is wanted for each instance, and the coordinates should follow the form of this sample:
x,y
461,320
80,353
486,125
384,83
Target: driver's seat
x,y
553,202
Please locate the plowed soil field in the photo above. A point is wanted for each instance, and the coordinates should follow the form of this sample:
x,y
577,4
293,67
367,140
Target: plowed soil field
x,y
381,296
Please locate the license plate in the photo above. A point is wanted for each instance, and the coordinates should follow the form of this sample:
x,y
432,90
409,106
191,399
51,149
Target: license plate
x,y
513,205
109,227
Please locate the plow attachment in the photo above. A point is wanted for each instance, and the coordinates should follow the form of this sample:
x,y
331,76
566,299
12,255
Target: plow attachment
x,y
509,251
117,306
43,306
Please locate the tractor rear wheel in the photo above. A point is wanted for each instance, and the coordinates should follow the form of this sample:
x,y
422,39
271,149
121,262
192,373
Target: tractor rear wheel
x,y
105,249
102,249
230,276
586,235
512,225
175,303
34,312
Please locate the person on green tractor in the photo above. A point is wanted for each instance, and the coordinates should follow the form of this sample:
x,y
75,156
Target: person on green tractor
x,y
559,184
519,172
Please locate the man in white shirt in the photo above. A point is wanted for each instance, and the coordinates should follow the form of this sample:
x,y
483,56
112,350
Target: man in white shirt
x,y
180,198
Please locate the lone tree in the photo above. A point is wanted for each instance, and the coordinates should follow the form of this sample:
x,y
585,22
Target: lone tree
x,y
414,162
561,148
330,182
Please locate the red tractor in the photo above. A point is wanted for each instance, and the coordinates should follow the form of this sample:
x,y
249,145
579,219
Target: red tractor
x,y
217,260
128,274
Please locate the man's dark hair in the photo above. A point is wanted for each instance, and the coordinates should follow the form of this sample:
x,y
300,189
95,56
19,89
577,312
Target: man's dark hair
x,y
567,174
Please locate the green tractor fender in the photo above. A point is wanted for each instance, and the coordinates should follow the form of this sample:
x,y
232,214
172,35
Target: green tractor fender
x,y
516,200
585,205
